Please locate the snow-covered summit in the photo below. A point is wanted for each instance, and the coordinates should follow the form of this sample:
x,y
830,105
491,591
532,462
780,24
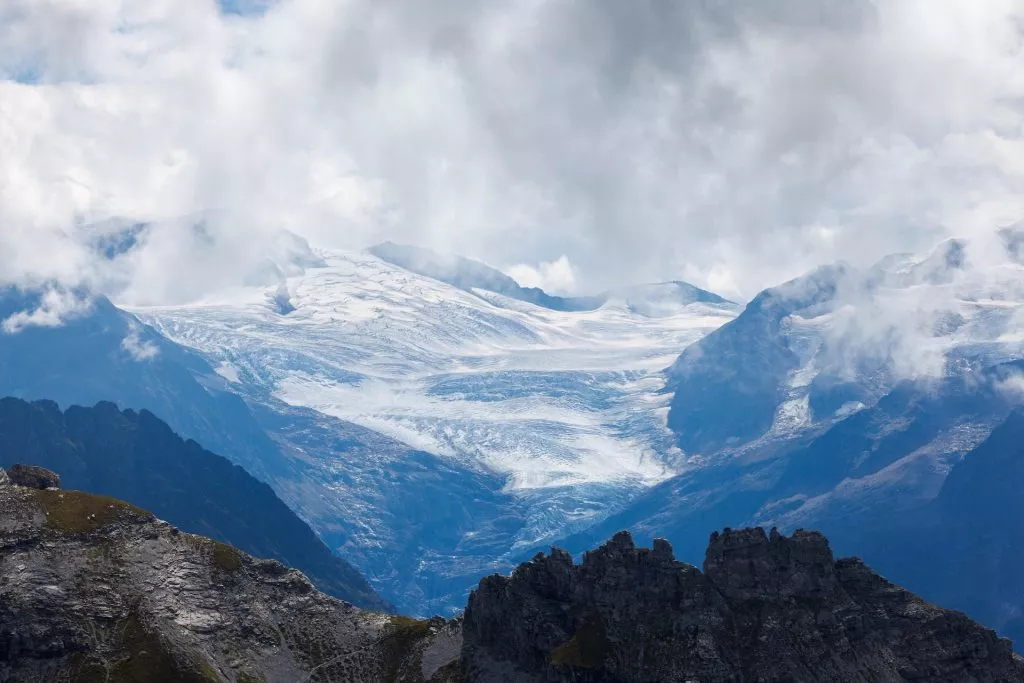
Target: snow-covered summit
x,y
815,349
535,422
547,397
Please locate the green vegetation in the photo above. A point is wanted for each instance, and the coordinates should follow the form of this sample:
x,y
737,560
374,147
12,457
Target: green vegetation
x,y
401,636
225,557
586,649
221,555
139,656
75,512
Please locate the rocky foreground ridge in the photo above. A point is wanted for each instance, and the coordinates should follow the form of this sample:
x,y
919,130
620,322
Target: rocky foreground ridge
x,y
94,589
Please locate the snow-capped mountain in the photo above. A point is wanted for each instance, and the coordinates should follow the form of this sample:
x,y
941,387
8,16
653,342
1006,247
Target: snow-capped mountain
x,y
818,348
538,421
842,401
435,422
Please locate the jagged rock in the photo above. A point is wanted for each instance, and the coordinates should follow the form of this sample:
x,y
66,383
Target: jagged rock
x,y
34,477
766,608
749,565
94,589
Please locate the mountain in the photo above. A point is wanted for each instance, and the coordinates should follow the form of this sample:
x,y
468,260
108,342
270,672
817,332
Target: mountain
x,y
467,274
965,548
79,349
730,386
850,479
97,589
136,457
765,608
808,353
846,400
445,433
76,348
365,394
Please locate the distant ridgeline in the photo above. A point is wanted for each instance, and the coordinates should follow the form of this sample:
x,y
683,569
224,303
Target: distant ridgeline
x,y
136,457
467,274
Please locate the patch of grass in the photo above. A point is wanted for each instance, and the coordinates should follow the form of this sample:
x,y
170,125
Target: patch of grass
x,y
139,656
400,638
225,557
75,512
586,649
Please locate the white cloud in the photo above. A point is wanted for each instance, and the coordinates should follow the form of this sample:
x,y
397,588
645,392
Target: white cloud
x,y
55,306
1012,387
734,145
552,276
139,349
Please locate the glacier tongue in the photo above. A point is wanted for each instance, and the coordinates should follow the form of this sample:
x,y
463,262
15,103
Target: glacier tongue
x,y
548,398
566,408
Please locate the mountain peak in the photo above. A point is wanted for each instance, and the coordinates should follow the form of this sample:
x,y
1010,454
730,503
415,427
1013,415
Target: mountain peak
x,y
633,614
106,591
467,274
651,300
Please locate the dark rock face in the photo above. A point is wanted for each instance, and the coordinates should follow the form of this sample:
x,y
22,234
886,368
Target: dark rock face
x,y
744,567
95,589
766,608
34,477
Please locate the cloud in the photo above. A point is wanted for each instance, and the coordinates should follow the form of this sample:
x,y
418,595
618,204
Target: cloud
x,y
56,305
139,349
1012,387
731,145
956,308
552,276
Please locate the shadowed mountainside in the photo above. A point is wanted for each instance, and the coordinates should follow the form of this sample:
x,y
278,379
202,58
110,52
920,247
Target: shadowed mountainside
x,y
134,456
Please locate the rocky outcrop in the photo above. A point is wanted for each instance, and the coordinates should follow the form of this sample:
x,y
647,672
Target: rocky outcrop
x,y
34,477
765,608
94,589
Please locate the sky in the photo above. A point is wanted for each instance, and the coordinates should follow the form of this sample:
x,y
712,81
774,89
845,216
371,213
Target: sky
x,y
579,145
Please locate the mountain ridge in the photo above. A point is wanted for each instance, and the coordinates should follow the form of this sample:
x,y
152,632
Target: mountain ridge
x,y
102,590
536,421
468,274
136,457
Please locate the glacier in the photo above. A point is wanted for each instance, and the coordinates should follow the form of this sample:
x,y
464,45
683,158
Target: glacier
x,y
460,424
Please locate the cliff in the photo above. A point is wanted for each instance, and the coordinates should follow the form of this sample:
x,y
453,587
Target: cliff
x,y
94,589
765,608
